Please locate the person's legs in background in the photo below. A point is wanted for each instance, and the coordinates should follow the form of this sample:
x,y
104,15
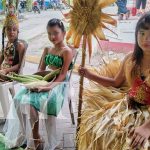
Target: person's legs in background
x,y
143,6
122,9
138,4
127,14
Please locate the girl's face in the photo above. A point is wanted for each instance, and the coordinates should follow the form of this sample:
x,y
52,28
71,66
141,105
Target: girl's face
x,y
144,39
55,34
12,33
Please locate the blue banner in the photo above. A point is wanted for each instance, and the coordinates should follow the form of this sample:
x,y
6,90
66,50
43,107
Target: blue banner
x,y
0,5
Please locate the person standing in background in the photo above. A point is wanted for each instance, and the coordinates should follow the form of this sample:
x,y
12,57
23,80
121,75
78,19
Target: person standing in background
x,y
29,5
140,3
122,9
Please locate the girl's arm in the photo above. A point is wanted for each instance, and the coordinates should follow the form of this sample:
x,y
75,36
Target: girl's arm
x,y
15,68
42,65
106,81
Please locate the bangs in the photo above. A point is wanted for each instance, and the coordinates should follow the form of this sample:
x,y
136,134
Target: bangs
x,y
145,23
145,26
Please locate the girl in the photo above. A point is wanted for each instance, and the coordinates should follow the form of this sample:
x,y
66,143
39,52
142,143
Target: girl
x,y
109,121
52,96
12,54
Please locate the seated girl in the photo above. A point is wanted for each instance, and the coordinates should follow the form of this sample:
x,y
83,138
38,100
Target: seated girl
x,y
50,97
113,119
12,54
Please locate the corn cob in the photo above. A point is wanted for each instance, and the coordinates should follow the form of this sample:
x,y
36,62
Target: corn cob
x,y
36,84
34,77
26,77
51,75
20,79
37,80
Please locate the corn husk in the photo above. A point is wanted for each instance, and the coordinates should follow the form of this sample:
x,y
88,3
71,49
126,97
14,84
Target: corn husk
x,y
86,18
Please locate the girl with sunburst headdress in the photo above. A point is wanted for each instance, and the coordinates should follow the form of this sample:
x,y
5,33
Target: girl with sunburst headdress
x,y
13,51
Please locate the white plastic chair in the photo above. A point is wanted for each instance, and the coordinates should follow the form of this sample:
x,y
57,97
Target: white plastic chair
x,y
75,53
6,87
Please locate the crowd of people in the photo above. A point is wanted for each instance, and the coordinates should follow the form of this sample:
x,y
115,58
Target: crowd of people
x,y
123,11
38,5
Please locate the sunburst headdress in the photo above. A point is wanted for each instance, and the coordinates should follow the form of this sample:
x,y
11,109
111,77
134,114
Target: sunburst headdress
x,y
87,19
10,20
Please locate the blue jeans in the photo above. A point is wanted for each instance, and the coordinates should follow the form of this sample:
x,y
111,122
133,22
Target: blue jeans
x,y
122,9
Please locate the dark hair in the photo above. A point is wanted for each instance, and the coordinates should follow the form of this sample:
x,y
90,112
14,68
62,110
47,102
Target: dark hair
x,y
56,22
3,38
143,23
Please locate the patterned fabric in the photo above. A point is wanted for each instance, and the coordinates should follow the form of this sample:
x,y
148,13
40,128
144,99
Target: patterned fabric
x,y
9,53
55,60
140,92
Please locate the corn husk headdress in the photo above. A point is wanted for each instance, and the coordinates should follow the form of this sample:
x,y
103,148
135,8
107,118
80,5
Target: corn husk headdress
x,y
86,18
11,18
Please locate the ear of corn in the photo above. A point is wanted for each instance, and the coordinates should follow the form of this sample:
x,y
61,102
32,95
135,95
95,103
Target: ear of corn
x,y
32,77
20,79
51,75
36,84
32,81
36,77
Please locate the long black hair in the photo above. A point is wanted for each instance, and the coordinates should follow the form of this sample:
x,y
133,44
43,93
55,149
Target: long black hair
x,y
143,23
3,38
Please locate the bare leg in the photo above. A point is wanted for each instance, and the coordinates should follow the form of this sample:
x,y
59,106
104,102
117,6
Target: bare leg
x,y
34,139
34,121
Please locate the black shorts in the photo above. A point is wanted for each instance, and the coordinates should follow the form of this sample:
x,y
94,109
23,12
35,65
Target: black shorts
x,y
141,2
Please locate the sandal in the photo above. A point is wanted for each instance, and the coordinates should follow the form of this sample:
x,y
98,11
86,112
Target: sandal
x,y
120,17
35,144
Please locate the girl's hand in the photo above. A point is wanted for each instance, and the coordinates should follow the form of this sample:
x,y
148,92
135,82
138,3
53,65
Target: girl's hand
x,y
41,89
140,136
83,72
44,89
3,72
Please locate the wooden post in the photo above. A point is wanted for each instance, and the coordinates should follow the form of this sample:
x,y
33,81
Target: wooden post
x,y
81,83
